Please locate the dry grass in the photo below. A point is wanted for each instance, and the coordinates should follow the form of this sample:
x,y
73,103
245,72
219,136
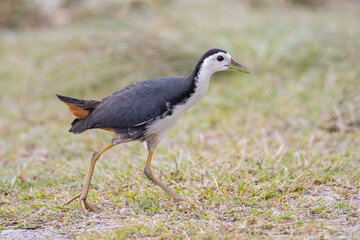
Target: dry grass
x,y
251,155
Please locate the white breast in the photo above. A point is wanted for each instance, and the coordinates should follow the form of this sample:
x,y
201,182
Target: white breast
x,y
161,126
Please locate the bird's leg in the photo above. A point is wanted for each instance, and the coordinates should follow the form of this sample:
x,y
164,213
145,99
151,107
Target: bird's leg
x,y
85,189
149,174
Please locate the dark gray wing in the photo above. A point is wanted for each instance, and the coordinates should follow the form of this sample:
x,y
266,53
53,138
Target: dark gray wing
x,y
139,103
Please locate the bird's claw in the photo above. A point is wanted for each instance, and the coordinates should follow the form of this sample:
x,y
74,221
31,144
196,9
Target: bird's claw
x,y
85,205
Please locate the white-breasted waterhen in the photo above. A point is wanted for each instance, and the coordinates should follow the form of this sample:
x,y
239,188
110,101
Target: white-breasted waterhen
x,y
145,111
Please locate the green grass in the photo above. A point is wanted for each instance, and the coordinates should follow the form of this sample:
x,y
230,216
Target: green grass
x,y
252,155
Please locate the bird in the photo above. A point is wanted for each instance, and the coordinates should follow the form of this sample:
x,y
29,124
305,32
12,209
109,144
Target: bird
x,y
144,111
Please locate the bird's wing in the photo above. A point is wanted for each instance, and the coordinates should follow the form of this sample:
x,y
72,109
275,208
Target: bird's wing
x,y
139,103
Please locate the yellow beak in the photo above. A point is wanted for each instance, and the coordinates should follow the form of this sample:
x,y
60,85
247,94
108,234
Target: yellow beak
x,y
237,66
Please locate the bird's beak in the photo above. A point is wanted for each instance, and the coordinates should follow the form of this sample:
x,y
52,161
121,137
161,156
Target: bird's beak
x,y
237,66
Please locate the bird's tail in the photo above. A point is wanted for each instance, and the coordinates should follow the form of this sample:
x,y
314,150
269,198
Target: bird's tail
x,y
79,109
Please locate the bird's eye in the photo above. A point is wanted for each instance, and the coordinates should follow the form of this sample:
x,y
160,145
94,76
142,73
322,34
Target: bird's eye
x,y
220,58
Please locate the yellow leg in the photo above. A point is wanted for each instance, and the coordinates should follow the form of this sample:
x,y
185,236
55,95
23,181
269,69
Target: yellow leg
x,y
149,174
85,189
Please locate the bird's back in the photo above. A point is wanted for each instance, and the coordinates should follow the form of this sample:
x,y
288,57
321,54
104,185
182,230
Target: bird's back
x,y
138,104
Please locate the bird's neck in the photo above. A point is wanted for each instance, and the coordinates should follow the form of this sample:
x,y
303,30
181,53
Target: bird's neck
x,y
200,78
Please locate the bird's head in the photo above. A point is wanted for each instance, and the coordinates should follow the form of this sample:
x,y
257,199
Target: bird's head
x,y
216,60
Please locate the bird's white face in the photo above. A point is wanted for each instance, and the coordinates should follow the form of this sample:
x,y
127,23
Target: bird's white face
x,y
217,62
221,61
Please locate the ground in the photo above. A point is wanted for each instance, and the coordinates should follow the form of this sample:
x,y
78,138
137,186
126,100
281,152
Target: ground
x,y
270,155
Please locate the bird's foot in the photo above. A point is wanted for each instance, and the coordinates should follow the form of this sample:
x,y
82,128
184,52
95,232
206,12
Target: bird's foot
x,y
85,205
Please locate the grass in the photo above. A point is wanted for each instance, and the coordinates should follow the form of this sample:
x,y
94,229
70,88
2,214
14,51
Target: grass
x,y
252,155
